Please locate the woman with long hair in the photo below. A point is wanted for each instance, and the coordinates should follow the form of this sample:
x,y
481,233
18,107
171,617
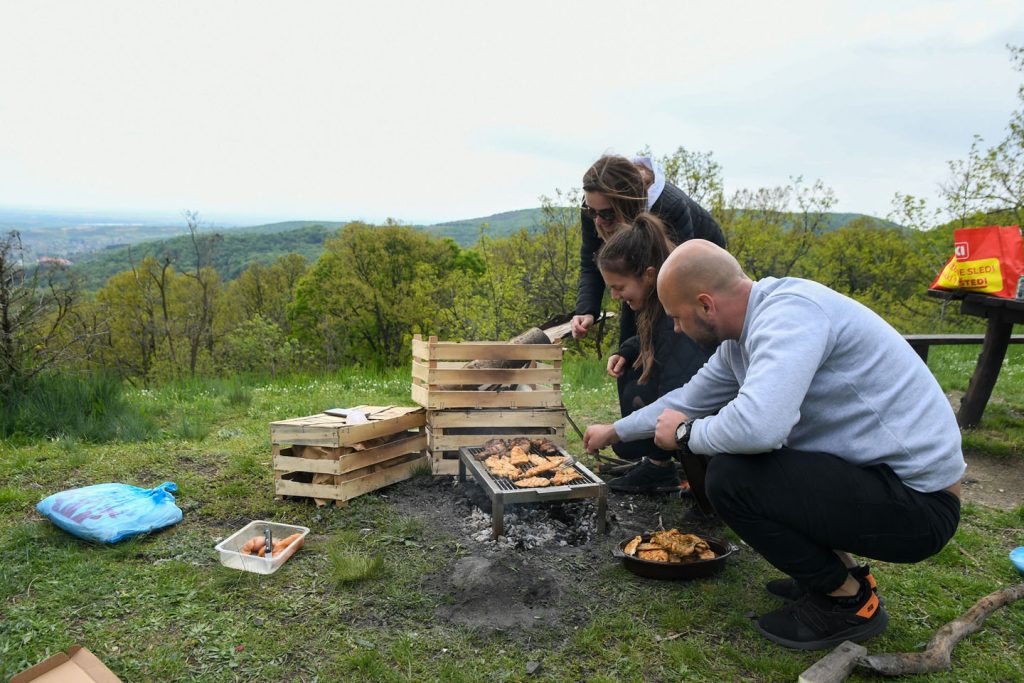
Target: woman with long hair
x,y
616,190
656,359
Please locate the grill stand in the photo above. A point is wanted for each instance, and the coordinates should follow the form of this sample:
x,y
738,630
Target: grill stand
x,y
503,491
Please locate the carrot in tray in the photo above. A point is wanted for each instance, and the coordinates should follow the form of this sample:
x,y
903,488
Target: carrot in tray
x,y
292,539
252,545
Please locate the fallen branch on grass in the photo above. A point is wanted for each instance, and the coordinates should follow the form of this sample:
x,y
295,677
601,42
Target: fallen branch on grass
x,y
936,655
839,663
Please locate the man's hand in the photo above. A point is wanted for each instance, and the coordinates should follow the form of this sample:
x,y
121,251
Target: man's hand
x,y
598,436
665,432
616,366
581,325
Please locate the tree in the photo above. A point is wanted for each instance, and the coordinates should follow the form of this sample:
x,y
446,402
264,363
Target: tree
x,y
257,345
35,307
369,291
695,173
991,180
202,296
766,236
262,290
132,303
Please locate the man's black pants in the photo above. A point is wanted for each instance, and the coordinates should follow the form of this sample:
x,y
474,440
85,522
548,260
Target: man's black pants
x,y
795,508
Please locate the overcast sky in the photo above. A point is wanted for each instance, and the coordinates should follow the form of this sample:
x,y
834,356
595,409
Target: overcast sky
x,y
430,111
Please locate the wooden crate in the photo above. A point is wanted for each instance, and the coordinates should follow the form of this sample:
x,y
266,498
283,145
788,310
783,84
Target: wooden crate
x,y
441,380
328,459
449,430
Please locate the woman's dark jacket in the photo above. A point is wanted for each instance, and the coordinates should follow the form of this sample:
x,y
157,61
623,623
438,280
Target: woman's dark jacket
x,y
677,358
684,218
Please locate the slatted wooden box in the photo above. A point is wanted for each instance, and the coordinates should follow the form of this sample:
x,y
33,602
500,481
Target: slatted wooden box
x,y
454,374
324,458
449,430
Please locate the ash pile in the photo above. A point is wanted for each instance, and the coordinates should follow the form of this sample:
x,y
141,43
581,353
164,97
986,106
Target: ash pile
x,y
534,525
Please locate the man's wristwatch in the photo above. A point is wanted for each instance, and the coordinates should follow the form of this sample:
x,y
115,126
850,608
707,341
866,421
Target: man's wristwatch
x,y
683,435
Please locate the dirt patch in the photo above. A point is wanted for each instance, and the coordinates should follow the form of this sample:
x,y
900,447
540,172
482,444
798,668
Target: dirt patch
x,y
993,482
535,575
500,594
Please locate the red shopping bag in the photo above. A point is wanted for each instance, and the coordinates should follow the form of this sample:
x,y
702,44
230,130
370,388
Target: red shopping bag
x,y
989,260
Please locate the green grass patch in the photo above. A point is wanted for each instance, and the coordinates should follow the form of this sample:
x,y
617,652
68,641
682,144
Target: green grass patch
x,y
352,566
90,408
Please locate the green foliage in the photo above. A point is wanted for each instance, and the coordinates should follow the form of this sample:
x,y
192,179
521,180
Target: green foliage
x,y
36,307
365,295
766,236
258,346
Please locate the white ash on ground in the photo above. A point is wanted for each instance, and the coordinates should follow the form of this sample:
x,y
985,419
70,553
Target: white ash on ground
x,y
530,526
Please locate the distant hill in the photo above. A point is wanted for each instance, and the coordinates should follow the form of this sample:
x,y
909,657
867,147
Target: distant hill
x,y
242,246
466,232
237,250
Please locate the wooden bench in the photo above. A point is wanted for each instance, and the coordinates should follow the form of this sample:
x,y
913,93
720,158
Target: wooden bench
x,y
922,342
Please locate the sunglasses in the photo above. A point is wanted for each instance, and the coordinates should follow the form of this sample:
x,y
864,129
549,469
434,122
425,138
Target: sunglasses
x,y
607,215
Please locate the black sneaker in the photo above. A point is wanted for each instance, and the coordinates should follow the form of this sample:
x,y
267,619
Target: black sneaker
x,y
790,589
818,622
647,478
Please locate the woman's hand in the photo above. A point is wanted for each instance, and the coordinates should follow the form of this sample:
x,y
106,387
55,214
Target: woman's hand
x,y
616,366
598,436
581,325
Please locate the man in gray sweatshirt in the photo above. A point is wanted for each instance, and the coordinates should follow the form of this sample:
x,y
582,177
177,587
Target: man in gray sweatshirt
x,y
828,434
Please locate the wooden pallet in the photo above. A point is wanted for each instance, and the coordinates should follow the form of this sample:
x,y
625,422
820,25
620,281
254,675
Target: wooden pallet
x,y
449,430
329,459
451,375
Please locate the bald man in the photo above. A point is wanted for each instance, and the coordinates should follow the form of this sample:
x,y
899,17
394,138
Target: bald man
x,y
827,436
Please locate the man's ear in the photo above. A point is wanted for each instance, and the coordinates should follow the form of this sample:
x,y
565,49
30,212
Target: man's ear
x,y
707,302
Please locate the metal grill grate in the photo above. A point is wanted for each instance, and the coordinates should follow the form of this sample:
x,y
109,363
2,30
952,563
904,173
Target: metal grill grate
x,y
501,490
506,484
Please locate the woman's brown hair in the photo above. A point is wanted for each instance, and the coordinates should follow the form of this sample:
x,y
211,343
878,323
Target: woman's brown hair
x,y
630,252
621,182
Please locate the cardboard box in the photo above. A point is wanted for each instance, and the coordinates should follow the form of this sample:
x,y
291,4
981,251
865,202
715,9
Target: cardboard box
x,y
74,665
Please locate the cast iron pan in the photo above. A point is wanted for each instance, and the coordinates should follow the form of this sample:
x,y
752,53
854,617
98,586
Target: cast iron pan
x,y
676,570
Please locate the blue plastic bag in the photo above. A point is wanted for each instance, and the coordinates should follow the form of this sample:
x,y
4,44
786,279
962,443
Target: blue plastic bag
x,y
112,512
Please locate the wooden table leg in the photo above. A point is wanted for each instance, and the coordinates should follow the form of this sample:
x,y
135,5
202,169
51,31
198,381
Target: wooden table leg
x,y
986,372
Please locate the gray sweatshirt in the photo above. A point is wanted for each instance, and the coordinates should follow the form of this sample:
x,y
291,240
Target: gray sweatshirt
x,y
817,371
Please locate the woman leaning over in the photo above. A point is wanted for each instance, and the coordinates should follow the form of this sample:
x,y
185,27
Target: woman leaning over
x,y
615,191
656,359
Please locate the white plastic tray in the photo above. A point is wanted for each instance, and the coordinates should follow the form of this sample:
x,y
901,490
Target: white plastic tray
x,y
230,548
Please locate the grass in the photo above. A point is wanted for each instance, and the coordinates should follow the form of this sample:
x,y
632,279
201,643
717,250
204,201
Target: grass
x,y
353,566
356,601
